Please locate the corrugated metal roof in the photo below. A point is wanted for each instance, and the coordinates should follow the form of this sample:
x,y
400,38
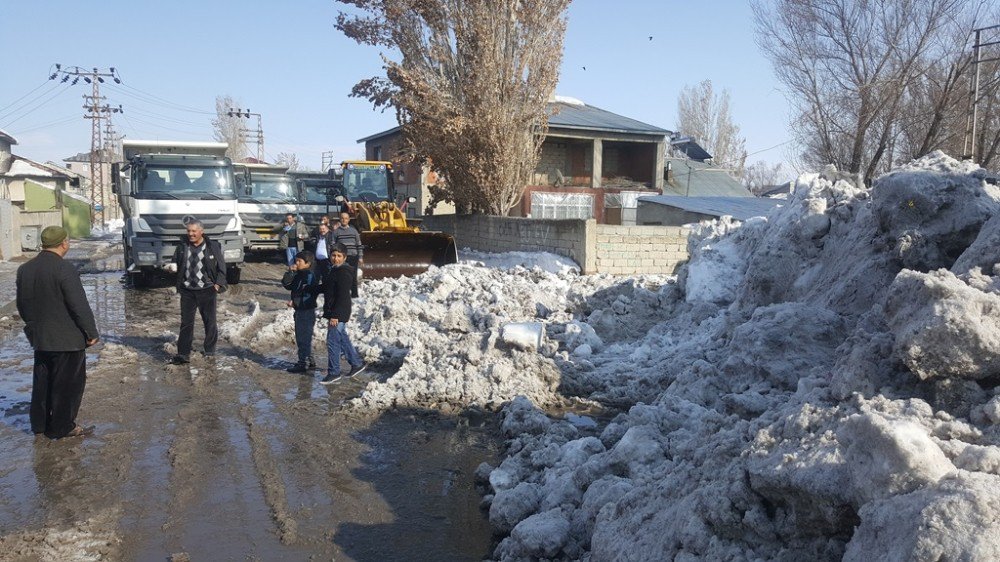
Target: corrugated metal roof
x,y
740,208
578,116
590,118
696,179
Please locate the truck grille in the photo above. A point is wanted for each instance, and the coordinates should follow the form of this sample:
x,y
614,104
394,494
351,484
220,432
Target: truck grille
x,y
173,225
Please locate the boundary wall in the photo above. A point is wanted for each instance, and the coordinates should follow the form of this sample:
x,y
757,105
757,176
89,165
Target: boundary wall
x,y
596,248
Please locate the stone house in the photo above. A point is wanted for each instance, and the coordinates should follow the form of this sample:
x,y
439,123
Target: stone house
x,y
593,164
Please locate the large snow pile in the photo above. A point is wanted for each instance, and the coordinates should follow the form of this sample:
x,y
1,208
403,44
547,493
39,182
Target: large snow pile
x,y
817,385
820,384
441,335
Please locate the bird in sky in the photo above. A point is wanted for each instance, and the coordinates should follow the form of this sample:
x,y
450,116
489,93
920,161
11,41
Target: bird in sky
x,y
585,68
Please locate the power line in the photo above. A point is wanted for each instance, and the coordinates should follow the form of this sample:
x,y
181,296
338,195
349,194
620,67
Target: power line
x,y
42,102
10,105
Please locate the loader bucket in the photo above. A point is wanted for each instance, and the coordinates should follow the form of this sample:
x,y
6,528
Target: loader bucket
x,y
394,254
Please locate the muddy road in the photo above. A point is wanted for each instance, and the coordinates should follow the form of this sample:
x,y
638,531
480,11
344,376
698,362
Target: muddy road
x,y
229,458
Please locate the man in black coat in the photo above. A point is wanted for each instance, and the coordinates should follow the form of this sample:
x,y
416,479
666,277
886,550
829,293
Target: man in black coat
x,y
60,326
201,276
337,311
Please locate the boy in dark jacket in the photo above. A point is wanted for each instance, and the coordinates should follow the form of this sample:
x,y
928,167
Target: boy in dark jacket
x,y
304,285
337,311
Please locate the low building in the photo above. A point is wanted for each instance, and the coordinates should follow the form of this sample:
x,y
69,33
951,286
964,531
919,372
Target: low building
x,y
79,164
677,210
33,196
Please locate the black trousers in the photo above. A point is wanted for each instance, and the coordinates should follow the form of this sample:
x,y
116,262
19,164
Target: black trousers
x,y
204,300
353,262
56,391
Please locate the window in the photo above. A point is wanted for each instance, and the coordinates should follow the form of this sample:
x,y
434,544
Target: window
x,y
377,152
562,206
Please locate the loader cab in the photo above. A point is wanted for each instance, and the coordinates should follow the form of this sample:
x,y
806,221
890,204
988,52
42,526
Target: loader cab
x,y
368,181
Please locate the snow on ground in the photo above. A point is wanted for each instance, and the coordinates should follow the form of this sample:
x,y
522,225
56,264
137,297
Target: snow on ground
x,y
817,385
545,261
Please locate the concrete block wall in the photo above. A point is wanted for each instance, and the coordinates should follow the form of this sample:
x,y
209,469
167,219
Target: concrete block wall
x,y
597,248
633,250
514,234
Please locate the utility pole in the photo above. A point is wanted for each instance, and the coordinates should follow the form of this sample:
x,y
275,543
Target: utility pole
x,y
97,111
108,152
246,114
971,134
327,160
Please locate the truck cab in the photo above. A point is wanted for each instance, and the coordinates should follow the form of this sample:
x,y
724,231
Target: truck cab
x,y
316,194
266,194
161,185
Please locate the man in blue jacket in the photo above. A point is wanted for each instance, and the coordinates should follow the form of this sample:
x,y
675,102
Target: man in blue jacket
x,y
201,276
303,282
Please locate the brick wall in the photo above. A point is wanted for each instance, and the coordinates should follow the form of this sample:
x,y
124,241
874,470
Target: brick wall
x,y
630,250
618,250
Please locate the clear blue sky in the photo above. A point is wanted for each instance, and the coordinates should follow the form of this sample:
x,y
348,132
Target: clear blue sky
x,y
287,62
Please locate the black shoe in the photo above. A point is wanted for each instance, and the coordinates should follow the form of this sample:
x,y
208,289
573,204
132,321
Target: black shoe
x,y
179,360
310,365
357,370
297,368
330,379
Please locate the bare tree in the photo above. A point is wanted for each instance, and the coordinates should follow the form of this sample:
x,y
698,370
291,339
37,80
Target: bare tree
x,y
229,129
288,159
847,66
761,176
705,115
470,88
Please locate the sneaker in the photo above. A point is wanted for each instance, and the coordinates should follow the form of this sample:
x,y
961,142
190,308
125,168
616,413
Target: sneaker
x,y
297,368
330,379
357,370
310,364
179,360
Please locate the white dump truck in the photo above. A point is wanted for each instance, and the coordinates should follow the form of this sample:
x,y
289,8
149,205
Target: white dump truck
x,y
161,185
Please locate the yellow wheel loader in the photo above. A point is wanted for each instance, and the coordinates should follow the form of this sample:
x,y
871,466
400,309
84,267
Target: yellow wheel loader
x,y
392,247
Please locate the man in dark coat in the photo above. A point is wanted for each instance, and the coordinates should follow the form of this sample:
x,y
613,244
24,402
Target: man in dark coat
x,y
344,233
201,276
337,311
60,326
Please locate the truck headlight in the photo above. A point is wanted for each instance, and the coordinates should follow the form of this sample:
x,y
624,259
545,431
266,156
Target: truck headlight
x,y
234,254
142,226
234,224
146,257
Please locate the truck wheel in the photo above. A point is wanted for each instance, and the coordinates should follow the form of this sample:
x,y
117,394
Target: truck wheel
x,y
233,275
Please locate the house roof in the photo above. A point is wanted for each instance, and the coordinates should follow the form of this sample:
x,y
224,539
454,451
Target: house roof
x,y
697,179
78,157
690,148
24,167
573,114
6,136
740,208
587,117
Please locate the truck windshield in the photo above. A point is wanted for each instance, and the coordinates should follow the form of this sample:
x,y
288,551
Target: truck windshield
x,y
366,182
209,182
318,191
271,189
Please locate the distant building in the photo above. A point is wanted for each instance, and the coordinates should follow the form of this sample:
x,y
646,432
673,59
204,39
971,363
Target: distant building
x,y
691,178
593,164
34,195
677,210
80,164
